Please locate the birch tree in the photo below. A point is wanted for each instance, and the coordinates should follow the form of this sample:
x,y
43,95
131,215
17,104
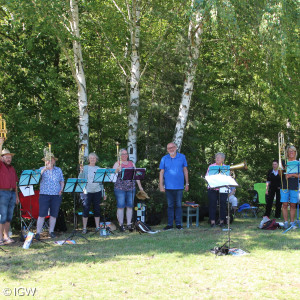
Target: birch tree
x,y
194,37
134,101
78,73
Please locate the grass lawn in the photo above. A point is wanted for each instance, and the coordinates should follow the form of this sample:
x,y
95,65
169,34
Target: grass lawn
x,y
167,265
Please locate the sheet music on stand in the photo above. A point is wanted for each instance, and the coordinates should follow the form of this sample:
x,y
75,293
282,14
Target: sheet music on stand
x,y
75,185
133,173
214,170
292,167
105,175
27,179
220,180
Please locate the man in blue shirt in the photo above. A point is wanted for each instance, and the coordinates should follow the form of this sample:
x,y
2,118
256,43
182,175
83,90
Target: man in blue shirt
x,y
173,172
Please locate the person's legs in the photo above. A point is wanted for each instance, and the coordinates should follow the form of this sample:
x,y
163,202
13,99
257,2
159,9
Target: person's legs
x,y
269,200
96,199
120,197
171,198
284,198
55,201
178,208
129,202
223,207
86,204
213,198
278,205
293,204
4,202
44,204
292,212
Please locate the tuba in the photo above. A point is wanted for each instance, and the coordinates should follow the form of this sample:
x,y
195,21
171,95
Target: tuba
x,y
3,130
242,165
281,149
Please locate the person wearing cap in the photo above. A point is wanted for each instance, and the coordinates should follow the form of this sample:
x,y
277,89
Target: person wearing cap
x,y
8,193
173,173
51,188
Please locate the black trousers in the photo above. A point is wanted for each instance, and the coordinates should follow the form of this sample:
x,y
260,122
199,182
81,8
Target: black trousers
x,y
213,197
269,200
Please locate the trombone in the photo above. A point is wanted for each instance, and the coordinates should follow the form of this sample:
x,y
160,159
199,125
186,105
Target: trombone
x,y
3,130
281,150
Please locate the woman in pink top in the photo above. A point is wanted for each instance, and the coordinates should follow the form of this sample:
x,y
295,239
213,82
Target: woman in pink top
x,y
125,191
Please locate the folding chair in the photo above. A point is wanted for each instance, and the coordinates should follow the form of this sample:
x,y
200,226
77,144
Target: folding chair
x,y
29,212
259,197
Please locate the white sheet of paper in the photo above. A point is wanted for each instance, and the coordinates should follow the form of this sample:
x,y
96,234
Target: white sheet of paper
x,y
27,190
219,180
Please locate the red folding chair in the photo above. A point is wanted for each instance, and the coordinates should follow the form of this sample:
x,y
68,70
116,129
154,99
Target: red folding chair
x,y
29,212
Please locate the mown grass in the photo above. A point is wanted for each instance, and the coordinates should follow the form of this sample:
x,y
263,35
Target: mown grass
x,y
172,264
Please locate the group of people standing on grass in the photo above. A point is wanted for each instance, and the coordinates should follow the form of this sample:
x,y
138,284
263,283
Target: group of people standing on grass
x,y
173,180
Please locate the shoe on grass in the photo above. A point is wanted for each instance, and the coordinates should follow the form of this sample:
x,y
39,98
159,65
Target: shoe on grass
x,y
52,235
37,236
179,227
130,227
84,231
122,228
168,227
286,225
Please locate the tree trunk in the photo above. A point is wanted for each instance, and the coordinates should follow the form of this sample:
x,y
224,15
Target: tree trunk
x,y
83,125
134,81
194,36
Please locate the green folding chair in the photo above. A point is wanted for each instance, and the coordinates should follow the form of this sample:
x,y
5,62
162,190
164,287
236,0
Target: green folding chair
x,y
259,198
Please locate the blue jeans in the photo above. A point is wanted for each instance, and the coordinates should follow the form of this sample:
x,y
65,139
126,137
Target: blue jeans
x,y
47,202
124,198
7,205
174,199
94,198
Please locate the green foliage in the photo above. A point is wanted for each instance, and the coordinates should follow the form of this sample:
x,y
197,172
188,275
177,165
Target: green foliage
x,y
246,87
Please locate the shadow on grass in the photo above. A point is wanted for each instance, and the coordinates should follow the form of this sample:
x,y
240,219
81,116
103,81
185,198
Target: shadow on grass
x,y
17,262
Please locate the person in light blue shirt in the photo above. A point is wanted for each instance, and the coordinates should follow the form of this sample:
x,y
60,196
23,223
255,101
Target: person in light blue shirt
x,y
173,173
51,188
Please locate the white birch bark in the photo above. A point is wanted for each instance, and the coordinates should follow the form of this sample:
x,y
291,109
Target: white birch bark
x,y
83,125
194,37
134,81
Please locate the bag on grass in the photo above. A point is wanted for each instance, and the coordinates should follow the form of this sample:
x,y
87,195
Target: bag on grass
x,y
270,225
143,228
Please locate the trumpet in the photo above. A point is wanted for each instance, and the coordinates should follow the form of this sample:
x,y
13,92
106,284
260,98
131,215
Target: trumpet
x,y
81,155
242,165
3,130
281,150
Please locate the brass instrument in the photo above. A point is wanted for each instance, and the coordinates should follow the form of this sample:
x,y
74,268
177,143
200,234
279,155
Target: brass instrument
x,y
81,155
118,154
281,150
242,165
3,130
47,153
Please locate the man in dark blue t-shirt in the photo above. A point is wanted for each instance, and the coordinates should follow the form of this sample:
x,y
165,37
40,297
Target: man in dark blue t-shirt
x,y
173,172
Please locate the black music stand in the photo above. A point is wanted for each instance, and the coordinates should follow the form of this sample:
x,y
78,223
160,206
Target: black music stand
x,y
133,174
223,181
101,176
75,185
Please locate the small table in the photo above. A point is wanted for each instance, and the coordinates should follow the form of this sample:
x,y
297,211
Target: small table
x,y
189,212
